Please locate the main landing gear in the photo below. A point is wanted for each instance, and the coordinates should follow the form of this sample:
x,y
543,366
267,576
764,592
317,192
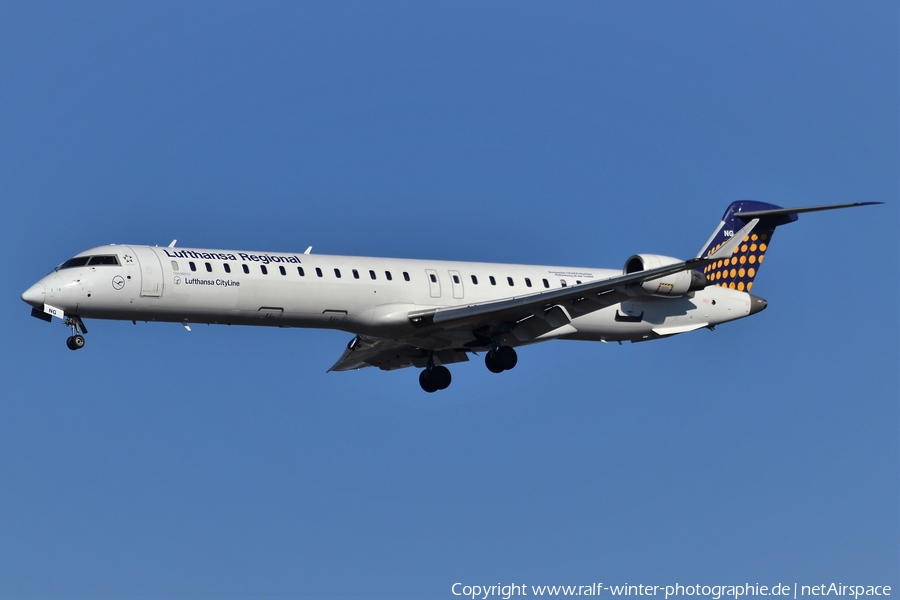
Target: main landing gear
x,y
435,378
76,340
501,359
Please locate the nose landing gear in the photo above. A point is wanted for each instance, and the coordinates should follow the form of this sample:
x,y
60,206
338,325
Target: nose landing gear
x,y
76,340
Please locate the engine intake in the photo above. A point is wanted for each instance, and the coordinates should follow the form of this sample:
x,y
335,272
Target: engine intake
x,y
676,284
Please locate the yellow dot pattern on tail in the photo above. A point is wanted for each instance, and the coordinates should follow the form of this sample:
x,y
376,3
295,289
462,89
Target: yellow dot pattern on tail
x,y
737,272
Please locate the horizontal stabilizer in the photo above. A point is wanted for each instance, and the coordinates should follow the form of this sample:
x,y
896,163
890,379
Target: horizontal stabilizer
x,y
777,212
737,269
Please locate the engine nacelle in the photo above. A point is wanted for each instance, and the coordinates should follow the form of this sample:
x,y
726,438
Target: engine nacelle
x,y
676,284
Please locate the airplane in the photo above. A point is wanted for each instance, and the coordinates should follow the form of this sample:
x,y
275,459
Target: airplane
x,y
422,313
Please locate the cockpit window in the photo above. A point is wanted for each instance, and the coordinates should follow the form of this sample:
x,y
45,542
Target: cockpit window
x,y
78,261
108,259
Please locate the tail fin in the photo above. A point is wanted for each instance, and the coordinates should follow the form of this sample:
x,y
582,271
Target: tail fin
x,y
738,271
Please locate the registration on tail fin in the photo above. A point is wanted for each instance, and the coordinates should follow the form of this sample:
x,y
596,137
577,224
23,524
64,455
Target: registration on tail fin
x,y
739,271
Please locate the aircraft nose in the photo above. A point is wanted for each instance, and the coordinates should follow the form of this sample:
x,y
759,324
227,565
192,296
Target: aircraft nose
x,y
35,295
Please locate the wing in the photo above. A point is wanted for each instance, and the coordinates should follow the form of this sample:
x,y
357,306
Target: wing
x,y
531,316
446,335
387,355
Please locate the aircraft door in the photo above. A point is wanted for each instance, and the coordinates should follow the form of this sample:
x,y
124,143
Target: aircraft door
x,y
434,283
457,284
151,271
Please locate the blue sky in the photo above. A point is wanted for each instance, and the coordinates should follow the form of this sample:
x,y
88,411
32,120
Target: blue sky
x,y
225,462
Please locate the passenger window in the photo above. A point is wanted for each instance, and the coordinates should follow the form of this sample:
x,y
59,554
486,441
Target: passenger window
x,y
318,272
300,271
510,281
546,283
264,270
174,265
372,274
405,275
562,282
493,281
192,266
246,269
474,280
527,282
433,277
283,272
208,268
456,279
227,267
355,274
577,282
337,273
388,275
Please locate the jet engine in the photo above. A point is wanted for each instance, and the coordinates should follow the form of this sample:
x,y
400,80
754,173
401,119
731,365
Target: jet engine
x,y
676,284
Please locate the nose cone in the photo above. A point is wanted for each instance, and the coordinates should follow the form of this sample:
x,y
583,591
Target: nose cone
x,y
35,295
757,304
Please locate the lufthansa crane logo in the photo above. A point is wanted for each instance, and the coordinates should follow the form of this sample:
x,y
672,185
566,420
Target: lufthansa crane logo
x,y
177,280
118,282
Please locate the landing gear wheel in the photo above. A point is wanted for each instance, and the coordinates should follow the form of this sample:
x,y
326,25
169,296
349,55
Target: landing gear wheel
x,y
502,359
506,357
435,378
75,342
490,361
427,383
441,377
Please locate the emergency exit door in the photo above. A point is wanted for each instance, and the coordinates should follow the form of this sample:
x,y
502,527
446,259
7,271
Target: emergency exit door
x,y
457,284
434,283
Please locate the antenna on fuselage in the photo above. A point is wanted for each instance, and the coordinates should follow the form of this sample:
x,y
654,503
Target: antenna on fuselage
x,y
308,250
172,243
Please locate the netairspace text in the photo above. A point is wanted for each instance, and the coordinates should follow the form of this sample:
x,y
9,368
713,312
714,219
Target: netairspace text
x,y
715,592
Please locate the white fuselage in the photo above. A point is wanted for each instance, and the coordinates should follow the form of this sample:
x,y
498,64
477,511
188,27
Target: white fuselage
x,y
362,295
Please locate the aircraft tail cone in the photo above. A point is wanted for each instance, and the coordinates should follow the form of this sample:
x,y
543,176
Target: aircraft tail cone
x,y
757,304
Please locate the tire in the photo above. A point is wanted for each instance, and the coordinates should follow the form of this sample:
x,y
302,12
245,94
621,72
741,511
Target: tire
x,y
490,361
440,377
506,357
77,342
426,382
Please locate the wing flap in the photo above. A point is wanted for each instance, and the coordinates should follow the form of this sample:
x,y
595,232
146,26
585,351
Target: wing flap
x,y
541,324
388,355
